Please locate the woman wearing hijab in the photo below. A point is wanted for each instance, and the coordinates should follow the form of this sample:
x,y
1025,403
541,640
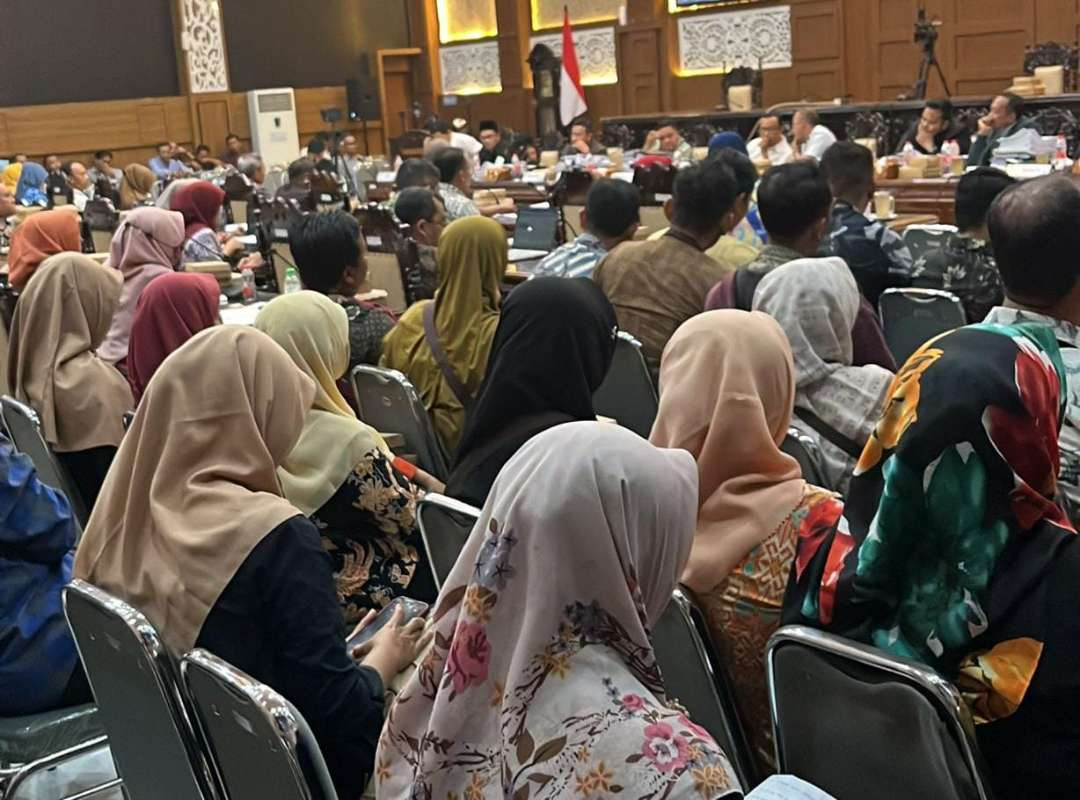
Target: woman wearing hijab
x,y
164,199
60,320
200,203
172,309
835,402
559,690
955,554
10,177
462,319
193,531
544,369
30,190
341,474
146,246
39,236
727,391
136,186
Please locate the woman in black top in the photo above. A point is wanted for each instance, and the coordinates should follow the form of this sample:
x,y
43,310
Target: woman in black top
x,y
552,350
192,530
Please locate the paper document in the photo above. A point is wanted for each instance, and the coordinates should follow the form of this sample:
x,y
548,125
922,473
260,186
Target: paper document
x,y
787,787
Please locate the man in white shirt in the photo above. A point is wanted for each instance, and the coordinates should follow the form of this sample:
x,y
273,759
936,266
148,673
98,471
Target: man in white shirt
x,y
770,144
462,141
812,138
82,188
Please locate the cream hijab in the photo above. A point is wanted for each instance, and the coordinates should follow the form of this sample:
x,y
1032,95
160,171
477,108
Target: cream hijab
x,y
727,390
60,320
193,488
542,669
314,331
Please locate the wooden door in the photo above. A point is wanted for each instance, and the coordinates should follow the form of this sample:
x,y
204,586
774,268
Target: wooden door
x,y
397,91
640,69
212,122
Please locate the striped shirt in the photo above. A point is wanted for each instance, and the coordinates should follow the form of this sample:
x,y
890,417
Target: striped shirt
x,y
574,260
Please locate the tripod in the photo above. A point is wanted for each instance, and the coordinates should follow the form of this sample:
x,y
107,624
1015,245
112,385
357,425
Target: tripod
x,y
929,60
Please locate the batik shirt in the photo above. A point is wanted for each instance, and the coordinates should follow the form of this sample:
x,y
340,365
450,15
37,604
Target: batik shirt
x,y
457,204
877,256
574,260
965,267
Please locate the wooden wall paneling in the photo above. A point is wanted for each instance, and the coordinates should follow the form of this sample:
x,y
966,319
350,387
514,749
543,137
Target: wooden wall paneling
x,y
640,68
4,146
395,70
987,39
860,40
213,120
153,125
424,34
1056,20
817,42
896,57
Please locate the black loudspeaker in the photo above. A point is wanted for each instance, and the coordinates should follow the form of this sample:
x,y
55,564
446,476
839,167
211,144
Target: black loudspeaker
x,y
363,96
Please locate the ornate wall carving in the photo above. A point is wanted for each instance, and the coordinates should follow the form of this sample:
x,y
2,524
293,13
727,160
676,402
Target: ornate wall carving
x,y
204,46
595,51
709,42
470,68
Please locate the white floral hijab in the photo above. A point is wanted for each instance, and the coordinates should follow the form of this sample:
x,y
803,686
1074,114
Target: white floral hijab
x,y
542,682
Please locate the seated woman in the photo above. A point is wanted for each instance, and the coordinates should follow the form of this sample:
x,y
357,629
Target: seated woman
x,y
60,321
200,202
955,554
835,402
39,668
39,236
136,187
544,369
172,309
727,390
341,473
543,673
146,245
30,190
447,364
192,530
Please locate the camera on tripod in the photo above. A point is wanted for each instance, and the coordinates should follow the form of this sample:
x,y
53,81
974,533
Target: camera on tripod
x,y
926,35
926,31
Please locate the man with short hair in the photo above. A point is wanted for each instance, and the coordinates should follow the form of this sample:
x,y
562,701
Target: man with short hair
x,y
252,167
812,138
298,189
103,168
163,165
1006,117
234,149
491,139
470,146
964,262
412,172
347,165
319,155
770,144
53,164
204,160
455,182
656,286
611,216
876,255
424,213
82,188
932,129
329,251
7,202
666,140
1034,233
582,140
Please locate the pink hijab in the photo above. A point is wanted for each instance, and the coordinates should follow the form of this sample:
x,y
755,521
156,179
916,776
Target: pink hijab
x,y
727,393
148,243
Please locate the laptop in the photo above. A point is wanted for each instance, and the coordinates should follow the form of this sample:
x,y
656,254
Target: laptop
x,y
536,229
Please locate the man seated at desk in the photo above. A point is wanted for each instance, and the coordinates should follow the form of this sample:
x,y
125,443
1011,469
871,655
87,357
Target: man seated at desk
x,y
298,189
233,151
812,138
164,165
491,139
1005,119
582,140
455,187
103,168
770,144
667,141
932,129
83,189
252,167
423,211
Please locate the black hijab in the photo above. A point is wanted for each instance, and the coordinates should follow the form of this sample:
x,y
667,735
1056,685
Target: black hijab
x,y
552,350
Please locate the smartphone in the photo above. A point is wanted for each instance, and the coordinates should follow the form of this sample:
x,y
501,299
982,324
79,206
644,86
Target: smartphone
x,y
413,609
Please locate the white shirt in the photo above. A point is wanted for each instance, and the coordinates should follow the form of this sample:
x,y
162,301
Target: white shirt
x,y
779,153
821,139
470,145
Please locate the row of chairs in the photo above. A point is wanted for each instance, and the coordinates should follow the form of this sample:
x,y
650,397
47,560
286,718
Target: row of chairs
x,y
838,708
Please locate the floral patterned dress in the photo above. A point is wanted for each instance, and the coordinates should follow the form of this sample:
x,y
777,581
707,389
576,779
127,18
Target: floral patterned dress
x,y
369,529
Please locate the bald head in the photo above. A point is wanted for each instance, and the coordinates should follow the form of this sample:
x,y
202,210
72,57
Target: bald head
x,y
1036,240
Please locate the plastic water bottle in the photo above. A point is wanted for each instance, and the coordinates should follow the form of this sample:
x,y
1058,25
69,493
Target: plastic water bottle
x,y
248,276
1061,152
292,280
908,153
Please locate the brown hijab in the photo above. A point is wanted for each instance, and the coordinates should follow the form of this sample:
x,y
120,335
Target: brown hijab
x,y
60,320
41,235
194,487
136,186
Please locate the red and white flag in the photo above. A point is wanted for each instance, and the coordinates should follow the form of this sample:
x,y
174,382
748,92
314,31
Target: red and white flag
x,y
571,96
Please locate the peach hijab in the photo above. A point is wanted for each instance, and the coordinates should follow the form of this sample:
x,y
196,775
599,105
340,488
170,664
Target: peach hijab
x,y
727,393
193,488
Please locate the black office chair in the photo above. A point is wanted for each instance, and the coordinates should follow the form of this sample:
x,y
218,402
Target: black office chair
x,y
911,317
158,754
256,736
628,394
858,722
445,525
922,240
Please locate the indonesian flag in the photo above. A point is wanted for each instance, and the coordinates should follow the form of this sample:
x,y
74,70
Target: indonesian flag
x,y
571,96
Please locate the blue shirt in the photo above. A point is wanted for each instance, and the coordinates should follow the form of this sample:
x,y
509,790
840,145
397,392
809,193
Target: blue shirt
x,y
163,168
876,255
37,540
574,260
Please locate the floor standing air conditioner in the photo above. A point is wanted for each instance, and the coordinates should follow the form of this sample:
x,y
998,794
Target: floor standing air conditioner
x,y
274,134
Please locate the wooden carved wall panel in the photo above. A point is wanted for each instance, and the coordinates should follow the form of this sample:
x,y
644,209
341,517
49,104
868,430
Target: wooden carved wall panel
x,y
639,60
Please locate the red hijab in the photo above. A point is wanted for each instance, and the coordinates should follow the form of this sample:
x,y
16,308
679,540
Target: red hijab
x,y
171,309
41,235
200,203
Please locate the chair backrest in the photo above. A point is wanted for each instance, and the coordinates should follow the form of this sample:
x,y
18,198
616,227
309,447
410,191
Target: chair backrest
x,y
805,450
910,317
826,693
628,394
142,707
921,240
389,402
384,272
445,525
24,429
695,676
254,733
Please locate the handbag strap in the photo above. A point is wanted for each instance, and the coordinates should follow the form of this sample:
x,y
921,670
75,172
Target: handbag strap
x,y
431,336
830,434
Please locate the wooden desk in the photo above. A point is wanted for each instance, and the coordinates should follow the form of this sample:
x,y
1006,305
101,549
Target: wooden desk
x,y
518,191
903,221
930,196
